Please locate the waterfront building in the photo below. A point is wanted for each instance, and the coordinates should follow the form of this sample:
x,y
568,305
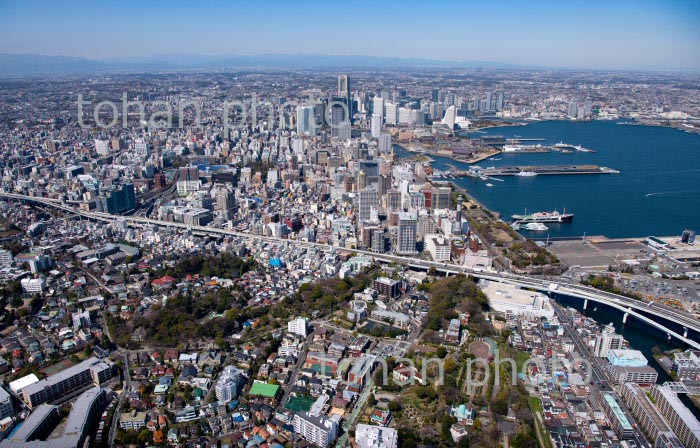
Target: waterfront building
x,y
647,416
626,358
679,417
606,340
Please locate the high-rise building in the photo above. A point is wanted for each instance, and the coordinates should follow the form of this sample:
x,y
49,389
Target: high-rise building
x,y
441,198
385,143
489,104
298,326
306,120
229,384
120,200
340,124
391,113
376,126
450,117
367,200
344,94
321,431
406,235
607,340
378,105
499,100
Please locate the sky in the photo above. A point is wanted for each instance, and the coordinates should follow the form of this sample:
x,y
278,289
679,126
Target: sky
x,y
622,34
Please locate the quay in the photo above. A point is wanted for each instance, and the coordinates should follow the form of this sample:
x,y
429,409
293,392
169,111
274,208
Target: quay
x,y
545,170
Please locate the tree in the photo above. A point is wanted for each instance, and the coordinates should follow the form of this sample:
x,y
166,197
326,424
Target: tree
x,y
441,352
16,302
371,400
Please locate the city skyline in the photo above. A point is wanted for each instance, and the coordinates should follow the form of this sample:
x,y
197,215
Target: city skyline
x,y
593,35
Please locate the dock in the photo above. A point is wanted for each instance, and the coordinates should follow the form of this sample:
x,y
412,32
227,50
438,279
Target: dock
x,y
546,170
525,171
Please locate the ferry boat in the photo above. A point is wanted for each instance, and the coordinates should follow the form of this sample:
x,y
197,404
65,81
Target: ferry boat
x,y
489,185
544,217
534,227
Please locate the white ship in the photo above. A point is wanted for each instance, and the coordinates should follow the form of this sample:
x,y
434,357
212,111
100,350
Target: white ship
x,y
526,174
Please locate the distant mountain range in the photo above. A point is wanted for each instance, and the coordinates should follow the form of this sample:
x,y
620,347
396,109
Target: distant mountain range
x,y
16,65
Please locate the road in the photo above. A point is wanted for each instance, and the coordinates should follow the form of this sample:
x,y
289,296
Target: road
x,y
622,303
118,408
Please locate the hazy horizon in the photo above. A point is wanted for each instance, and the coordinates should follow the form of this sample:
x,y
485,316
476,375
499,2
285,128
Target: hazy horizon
x,y
642,35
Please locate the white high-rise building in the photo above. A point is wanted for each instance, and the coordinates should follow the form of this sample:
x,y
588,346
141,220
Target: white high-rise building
x,y
376,125
450,117
321,431
391,113
607,340
141,148
298,326
378,105
228,386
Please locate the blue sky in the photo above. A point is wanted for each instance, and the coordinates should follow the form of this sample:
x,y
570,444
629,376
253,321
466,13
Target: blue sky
x,y
611,34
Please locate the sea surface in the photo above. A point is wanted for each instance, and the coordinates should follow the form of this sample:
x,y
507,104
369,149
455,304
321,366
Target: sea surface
x,y
656,193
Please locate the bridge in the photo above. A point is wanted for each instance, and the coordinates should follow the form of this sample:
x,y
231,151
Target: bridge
x,y
628,306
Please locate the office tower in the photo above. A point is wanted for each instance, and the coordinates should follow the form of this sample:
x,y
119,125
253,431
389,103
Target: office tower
x,y
607,340
343,86
344,94
499,101
340,124
378,106
306,121
119,200
393,200
573,109
391,113
376,125
489,105
404,115
225,199
441,198
229,384
436,95
367,200
385,143
406,236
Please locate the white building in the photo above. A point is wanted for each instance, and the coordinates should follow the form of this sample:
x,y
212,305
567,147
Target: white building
x,y
32,285
299,326
227,388
367,436
320,431
509,299
102,147
376,125
607,340
438,246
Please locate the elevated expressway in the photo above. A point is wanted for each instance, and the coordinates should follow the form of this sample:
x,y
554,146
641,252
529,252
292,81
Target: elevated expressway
x,y
629,307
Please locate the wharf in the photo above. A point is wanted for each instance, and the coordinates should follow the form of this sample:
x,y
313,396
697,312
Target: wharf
x,y
544,170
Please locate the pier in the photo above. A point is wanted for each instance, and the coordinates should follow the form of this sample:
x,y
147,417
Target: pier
x,y
545,170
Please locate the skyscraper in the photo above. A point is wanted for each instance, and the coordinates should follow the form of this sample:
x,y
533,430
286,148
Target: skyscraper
x,y
367,200
376,125
391,113
344,94
340,124
305,120
385,143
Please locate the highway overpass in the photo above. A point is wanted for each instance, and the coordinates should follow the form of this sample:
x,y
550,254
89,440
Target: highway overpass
x,y
627,305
